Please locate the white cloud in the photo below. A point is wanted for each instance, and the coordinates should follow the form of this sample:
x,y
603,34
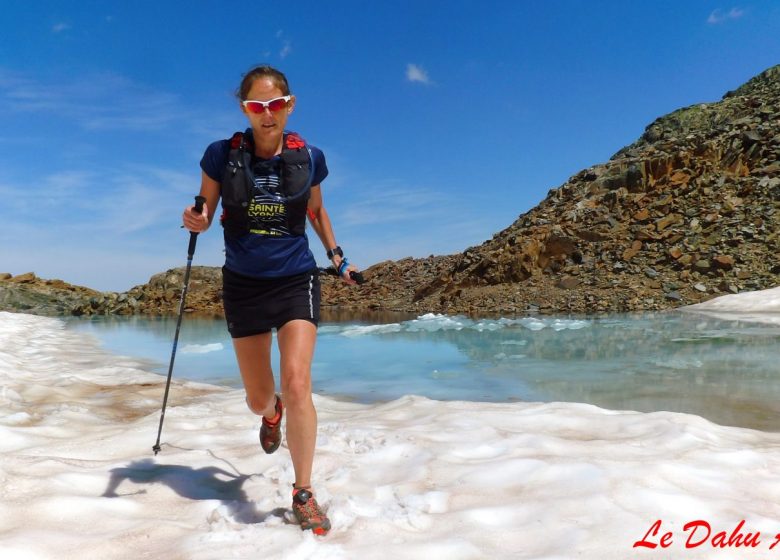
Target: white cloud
x,y
391,205
60,27
99,201
286,49
286,44
426,235
720,16
116,267
104,228
101,101
415,73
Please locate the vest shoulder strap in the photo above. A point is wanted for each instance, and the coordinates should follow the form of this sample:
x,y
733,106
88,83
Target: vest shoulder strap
x,y
237,140
292,141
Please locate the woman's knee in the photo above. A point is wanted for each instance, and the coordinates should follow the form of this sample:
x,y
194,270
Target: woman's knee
x,y
296,385
261,404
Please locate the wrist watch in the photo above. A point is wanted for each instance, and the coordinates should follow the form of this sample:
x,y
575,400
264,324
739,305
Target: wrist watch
x,y
335,251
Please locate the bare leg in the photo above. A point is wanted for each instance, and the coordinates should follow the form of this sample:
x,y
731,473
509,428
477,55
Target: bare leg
x,y
254,361
296,346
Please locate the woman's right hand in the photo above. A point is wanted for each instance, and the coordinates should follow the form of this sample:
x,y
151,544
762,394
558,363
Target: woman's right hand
x,y
196,223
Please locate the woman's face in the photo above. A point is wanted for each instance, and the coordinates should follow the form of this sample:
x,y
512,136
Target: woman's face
x,y
268,124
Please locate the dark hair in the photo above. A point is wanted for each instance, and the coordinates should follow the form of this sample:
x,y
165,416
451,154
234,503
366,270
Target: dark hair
x,y
262,71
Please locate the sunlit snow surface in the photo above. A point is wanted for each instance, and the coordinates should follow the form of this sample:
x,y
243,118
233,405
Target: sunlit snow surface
x,y
761,307
413,478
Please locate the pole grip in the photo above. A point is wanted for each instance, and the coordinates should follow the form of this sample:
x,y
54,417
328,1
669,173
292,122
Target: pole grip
x,y
199,200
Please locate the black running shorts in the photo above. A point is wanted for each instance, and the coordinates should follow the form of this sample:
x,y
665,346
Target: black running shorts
x,y
258,305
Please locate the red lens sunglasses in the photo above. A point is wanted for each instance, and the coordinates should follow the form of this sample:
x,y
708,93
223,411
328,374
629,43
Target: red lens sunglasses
x,y
273,105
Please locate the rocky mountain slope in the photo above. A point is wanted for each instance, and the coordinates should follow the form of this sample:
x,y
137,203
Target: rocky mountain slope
x,y
687,212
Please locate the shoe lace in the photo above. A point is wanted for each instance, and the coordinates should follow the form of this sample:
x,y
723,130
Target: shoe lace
x,y
310,510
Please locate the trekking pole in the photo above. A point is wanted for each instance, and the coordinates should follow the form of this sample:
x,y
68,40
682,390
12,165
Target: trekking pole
x,y
199,200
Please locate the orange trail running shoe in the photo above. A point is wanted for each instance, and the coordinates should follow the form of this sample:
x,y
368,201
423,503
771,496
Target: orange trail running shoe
x,y
271,432
308,512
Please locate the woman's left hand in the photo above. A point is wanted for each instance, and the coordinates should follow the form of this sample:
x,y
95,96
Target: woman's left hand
x,y
346,274
338,264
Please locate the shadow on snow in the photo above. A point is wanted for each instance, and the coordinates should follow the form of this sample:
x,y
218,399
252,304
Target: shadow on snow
x,y
206,483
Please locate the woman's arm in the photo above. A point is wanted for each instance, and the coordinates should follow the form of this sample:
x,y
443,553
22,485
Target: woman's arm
x,y
320,222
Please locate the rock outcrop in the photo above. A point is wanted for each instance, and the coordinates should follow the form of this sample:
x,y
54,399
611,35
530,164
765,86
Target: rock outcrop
x,y
688,212
29,294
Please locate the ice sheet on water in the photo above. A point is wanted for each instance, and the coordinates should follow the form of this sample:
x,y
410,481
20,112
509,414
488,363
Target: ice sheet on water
x,y
362,330
436,322
202,348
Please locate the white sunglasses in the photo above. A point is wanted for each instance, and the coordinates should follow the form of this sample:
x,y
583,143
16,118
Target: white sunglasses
x,y
273,105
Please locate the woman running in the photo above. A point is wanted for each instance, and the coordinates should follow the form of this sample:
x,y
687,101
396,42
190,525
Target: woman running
x,y
269,182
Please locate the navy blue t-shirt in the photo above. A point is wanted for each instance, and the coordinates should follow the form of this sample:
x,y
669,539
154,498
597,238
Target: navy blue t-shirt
x,y
269,249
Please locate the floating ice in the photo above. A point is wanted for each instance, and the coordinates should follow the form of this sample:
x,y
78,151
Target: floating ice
x,y
202,348
361,330
435,322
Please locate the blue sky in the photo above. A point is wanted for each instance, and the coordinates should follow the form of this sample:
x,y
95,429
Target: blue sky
x,y
441,121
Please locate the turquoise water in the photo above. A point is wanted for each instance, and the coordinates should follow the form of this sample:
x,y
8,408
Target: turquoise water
x,y
726,371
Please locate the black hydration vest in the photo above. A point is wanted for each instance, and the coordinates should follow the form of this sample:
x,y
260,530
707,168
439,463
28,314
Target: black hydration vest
x,y
296,171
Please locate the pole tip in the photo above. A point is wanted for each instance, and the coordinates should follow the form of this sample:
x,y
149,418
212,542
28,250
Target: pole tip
x,y
156,450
